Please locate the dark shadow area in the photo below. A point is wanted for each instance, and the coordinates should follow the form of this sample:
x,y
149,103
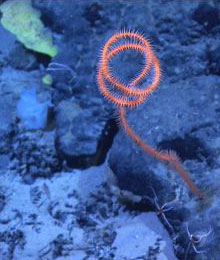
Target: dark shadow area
x,y
105,142
187,148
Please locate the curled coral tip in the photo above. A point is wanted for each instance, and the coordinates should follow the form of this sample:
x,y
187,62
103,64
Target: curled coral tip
x,y
131,95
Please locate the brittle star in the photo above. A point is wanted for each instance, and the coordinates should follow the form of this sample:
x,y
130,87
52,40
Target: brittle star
x,y
161,210
195,240
129,95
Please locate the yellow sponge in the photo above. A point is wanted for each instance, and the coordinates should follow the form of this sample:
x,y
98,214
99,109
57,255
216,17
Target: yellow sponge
x,y
21,19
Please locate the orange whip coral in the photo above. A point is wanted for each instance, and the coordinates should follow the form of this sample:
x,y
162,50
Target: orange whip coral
x,y
129,95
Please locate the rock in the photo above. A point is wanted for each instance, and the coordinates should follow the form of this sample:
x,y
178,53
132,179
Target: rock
x,y
78,134
177,118
143,236
207,15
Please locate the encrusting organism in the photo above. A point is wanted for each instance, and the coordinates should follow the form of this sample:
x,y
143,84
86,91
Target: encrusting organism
x,y
129,95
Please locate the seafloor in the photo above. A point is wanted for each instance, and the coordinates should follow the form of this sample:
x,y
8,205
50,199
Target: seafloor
x,y
73,184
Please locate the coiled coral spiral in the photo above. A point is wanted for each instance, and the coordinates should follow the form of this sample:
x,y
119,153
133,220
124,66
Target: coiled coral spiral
x,y
130,95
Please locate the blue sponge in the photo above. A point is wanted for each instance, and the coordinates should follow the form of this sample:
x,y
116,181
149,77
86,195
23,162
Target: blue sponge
x,y
31,112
